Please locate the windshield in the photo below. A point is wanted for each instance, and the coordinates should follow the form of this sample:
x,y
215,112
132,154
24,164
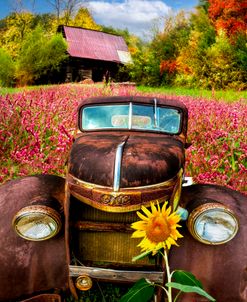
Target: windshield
x,y
132,116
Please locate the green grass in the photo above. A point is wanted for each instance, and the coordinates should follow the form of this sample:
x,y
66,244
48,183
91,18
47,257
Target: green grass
x,y
226,95
9,90
6,90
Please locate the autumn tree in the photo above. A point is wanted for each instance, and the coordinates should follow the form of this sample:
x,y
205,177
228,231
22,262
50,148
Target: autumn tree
x,y
240,49
230,15
223,70
47,21
204,4
167,45
70,6
155,62
17,26
84,19
192,58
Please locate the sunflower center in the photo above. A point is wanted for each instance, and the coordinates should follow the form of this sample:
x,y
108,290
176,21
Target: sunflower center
x,y
158,229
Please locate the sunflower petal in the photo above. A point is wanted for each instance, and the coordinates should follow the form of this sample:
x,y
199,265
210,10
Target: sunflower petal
x,y
163,209
139,225
168,244
141,216
168,211
172,241
173,218
146,211
153,208
178,235
138,234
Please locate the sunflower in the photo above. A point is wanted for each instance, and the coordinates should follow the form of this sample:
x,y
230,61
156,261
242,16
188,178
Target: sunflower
x,y
158,228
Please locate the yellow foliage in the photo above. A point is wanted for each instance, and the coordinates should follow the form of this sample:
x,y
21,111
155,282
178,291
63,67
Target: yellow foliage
x,y
18,26
84,19
188,55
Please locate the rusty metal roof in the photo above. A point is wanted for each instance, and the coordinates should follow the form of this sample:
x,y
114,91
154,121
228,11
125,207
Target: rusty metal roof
x,y
96,45
163,101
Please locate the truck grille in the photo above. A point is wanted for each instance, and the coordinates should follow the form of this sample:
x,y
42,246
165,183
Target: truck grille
x,y
102,239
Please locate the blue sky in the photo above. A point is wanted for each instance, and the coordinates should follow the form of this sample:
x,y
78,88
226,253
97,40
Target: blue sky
x,y
138,16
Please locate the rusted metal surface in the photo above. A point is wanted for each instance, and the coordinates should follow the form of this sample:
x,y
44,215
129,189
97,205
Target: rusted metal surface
x,y
145,160
127,199
103,226
27,267
96,45
150,160
164,101
222,269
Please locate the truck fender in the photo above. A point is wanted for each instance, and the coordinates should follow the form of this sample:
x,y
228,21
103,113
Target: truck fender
x,y
222,269
28,267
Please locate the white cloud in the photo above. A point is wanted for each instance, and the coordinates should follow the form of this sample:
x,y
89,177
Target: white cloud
x,y
138,16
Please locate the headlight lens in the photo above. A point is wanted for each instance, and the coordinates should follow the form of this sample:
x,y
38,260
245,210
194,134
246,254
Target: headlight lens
x,y
213,223
37,223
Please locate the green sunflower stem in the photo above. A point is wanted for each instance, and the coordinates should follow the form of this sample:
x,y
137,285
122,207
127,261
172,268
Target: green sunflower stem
x,y
169,276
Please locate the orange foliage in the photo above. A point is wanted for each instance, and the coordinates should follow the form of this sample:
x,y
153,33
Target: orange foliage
x,y
230,15
169,66
133,50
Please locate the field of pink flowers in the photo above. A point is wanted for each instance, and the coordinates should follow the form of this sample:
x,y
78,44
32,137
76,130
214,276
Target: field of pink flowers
x,y
36,132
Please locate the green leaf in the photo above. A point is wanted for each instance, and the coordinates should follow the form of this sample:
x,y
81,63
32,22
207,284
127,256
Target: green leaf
x,y
141,291
190,289
186,278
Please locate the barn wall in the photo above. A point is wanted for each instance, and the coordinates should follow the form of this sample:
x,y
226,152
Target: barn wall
x,y
78,70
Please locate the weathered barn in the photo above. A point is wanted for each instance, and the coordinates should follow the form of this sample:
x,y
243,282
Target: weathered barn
x,y
93,54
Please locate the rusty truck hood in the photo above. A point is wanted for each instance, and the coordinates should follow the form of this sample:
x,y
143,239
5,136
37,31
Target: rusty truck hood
x,y
146,159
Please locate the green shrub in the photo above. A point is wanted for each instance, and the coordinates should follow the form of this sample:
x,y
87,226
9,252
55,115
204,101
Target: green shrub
x,y
40,55
223,70
186,80
7,69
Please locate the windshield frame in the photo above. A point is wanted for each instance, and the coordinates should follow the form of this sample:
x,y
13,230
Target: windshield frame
x,y
130,128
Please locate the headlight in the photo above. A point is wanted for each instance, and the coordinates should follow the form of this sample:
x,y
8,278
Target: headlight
x,y
37,223
84,282
212,223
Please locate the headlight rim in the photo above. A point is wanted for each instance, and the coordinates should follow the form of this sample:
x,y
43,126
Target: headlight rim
x,y
203,208
37,209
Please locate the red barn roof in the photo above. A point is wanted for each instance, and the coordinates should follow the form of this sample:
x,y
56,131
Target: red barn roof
x,y
96,45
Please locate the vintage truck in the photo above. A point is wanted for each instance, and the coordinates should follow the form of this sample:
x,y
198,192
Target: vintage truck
x,y
62,234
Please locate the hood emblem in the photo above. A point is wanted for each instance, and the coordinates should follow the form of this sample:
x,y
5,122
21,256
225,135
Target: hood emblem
x,y
119,200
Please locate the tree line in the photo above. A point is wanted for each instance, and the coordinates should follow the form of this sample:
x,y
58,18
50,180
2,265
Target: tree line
x,y
205,48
